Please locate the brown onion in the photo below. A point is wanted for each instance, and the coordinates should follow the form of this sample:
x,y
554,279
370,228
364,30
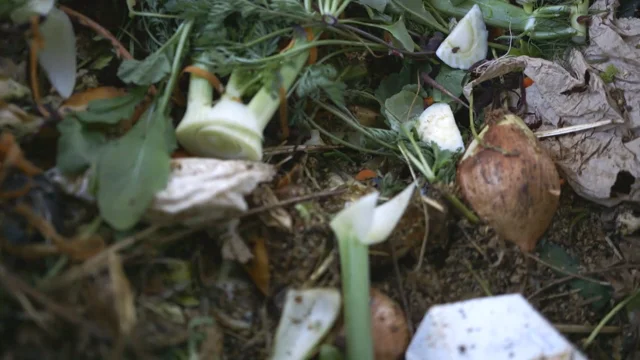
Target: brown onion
x,y
389,326
511,182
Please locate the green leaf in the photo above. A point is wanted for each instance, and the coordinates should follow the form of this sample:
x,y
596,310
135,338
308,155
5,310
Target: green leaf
x,y
558,257
401,108
399,31
450,79
393,83
101,62
379,5
132,169
77,147
111,111
416,9
152,69
321,77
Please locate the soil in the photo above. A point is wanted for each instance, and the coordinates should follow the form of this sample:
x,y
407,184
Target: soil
x,y
466,264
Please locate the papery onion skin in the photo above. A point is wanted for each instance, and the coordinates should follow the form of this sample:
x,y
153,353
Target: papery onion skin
x,y
516,193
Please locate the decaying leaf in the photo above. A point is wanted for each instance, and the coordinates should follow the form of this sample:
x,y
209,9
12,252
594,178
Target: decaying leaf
x,y
277,217
233,246
123,295
601,165
258,267
17,121
202,190
11,89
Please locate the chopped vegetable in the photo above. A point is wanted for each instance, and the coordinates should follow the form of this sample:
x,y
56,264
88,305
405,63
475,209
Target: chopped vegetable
x,y
467,43
437,124
357,226
546,22
232,129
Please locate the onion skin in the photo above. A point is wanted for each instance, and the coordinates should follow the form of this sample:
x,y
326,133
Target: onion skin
x,y
515,191
389,326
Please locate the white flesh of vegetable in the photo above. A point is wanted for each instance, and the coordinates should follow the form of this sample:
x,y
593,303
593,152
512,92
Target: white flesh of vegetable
x,y
228,130
437,124
307,317
467,43
58,57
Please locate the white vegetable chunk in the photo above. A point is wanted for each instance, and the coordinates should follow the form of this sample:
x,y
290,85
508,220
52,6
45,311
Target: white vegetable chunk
x,y
307,317
437,124
504,327
467,43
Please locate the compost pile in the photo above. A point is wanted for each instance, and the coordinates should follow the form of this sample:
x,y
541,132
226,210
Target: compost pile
x,y
288,179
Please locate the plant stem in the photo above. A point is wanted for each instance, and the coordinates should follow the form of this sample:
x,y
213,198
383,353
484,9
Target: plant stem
x,y
175,67
354,269
608,317
264,104
506,16
460,207
298,49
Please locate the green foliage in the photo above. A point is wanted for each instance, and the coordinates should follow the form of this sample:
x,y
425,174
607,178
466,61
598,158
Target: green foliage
x,y
153,68
321,78
78,146
399,31
128,170
395,82
7,6
379,5
111,111
403,107
450,79
132,169
609,74
560,258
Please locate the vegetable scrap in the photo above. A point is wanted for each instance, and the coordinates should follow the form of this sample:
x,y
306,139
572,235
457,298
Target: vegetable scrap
x,y
317,179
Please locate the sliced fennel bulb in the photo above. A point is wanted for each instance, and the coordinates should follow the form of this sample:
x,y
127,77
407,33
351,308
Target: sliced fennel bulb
x,y
231,129
228,130
437,124
467,43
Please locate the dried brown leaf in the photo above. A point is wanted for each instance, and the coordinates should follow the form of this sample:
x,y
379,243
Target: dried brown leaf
x,y
123,295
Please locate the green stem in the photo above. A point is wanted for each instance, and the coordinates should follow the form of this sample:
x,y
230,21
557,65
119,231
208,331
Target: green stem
x,y
265,102
506,16
354,268
342,142
433,24
460,207
175,67
200,92
307,46
581,8
608,317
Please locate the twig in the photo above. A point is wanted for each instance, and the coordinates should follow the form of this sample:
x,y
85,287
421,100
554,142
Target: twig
x,y
608,317
82,19
279,150
540,261
100,261
95,263
573,276
481,282
431,82
585,329
11,281
396,270
573,129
